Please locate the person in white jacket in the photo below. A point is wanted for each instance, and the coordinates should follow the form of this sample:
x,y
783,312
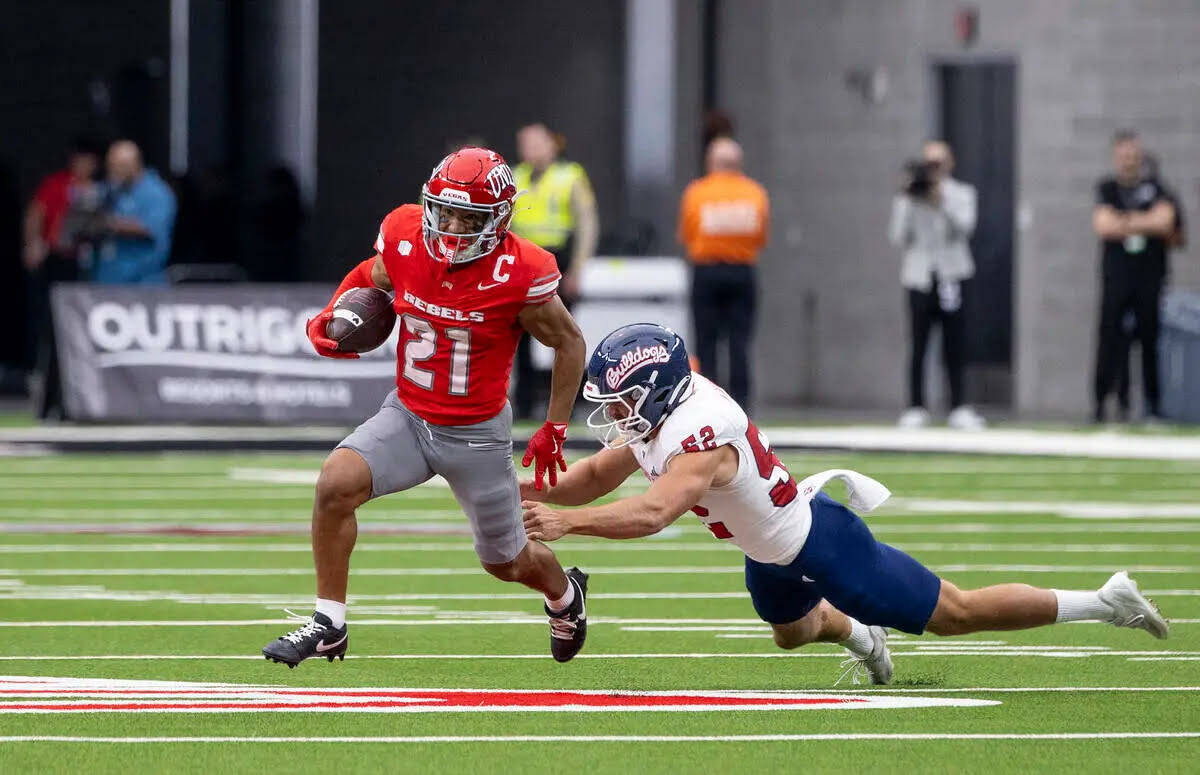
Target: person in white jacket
x,y
932,223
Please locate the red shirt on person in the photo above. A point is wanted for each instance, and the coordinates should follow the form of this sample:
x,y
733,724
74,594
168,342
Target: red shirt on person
x,y
54,197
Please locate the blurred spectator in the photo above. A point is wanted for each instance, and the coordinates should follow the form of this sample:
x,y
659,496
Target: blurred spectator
x,y
1176,240
723,220
932,220
1134,217
44,245
51,255
139,221
556,211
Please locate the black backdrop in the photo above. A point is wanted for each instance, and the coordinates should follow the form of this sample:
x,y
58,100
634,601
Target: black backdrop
x,y
396,86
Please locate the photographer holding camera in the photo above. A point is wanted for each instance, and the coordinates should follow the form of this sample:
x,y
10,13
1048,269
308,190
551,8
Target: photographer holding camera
x,y
132,226
933,217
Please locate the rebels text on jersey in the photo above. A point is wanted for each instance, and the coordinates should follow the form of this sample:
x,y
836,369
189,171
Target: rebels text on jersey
x,y
458,327
761,509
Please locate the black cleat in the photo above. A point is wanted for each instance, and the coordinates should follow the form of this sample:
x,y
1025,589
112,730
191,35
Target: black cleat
x,y
317,638
568,629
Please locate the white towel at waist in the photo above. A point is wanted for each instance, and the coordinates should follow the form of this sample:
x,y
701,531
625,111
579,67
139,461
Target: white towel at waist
x,y
865,494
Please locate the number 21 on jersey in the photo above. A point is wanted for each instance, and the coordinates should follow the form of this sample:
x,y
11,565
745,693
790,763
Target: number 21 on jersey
x,y
423,346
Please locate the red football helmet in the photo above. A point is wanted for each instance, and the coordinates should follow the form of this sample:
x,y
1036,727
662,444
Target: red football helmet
x,y
475,180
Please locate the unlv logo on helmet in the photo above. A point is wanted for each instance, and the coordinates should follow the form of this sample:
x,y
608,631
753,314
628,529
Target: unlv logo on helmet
x,y
473,185
500,178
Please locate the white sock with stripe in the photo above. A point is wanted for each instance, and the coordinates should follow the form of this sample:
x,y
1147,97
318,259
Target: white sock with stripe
x,y
564,602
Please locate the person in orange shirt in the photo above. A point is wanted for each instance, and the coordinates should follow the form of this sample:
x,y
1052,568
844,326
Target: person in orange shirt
x,y
723,220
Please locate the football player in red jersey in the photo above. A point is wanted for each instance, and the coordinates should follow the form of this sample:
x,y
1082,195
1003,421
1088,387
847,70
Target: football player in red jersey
x,y
464,288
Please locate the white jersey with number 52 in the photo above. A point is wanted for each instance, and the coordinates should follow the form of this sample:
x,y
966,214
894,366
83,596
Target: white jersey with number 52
x,y
760,510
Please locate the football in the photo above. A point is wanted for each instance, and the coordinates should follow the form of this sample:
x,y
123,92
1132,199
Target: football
x,y
363,318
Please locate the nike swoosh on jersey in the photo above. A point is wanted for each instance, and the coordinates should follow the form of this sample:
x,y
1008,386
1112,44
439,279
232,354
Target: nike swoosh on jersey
x,y
483,287
322,647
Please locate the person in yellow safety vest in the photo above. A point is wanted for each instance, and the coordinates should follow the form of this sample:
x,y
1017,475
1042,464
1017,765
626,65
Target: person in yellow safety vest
x,y
556,210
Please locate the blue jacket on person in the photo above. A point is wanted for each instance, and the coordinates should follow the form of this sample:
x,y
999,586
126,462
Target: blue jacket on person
x,y
132,259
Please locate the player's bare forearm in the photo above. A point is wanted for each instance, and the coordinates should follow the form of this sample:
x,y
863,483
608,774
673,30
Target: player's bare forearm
x,y
586,480
379,275
565,378
553,326
668,498
636,517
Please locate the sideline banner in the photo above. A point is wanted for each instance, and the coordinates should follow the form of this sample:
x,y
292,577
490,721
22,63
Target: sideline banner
x,y
208,353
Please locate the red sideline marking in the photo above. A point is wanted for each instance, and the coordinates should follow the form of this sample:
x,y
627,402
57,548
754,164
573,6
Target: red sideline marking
x,y
19,694
373,704
452,698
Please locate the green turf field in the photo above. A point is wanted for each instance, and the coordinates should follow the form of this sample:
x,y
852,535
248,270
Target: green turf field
x,y
140,599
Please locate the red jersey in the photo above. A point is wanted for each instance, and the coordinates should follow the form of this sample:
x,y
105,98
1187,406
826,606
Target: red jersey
x,y
458,327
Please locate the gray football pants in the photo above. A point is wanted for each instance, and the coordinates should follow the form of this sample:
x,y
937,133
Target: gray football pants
x,y
402,450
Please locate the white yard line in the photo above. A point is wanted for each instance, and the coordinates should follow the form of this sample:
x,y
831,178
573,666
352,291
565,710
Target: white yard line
x,y
12,589
497,618
19,591
1073,510
566,546
303,476
274,522
839,654
436,547
1165,659
1103,444
668,570
815,737
884,528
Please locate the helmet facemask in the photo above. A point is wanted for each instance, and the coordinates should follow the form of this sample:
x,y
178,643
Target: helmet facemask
x,y
618,421
461,248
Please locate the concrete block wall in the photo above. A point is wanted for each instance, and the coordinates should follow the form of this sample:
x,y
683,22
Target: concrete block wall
x,y
830,293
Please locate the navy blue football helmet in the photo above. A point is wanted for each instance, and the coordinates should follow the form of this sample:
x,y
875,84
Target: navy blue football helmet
x,y
638,374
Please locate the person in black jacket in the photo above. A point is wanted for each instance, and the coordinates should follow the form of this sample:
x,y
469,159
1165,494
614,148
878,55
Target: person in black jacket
x,y
1175,241
1133,218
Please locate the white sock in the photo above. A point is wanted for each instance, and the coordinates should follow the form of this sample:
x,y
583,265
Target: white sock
x,y
1081,606
334,610
563,602
860,643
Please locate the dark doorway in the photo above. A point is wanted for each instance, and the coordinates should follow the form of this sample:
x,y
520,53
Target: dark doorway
x,y
976,114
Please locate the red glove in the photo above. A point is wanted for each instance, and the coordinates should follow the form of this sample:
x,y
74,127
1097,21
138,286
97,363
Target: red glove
x,y
546,448
322,343
358,277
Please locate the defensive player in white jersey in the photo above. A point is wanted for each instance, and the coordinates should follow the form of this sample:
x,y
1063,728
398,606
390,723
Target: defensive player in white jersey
x,y
813,569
